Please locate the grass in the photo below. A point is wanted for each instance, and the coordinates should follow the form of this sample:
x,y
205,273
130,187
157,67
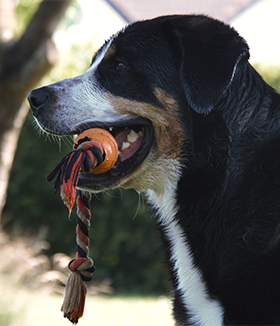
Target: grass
x,y
102,311
28,300
32,308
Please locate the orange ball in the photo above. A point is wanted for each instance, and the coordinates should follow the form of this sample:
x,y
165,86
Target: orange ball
x,y
107,142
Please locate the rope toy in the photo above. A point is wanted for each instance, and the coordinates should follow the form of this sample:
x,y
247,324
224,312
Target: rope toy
x,y
95,151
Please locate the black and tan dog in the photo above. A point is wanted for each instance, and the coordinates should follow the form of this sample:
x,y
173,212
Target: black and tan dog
x,y
198,130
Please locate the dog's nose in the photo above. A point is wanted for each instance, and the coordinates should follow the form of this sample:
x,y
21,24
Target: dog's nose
x,y
37,98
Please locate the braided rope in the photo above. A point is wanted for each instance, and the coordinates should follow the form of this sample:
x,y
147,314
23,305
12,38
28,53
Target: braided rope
x,y
82,267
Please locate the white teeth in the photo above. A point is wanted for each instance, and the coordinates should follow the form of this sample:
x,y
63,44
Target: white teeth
x,y
125,145
134,135
131,138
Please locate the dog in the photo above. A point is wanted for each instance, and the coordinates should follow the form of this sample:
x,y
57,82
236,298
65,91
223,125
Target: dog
x,y
198,131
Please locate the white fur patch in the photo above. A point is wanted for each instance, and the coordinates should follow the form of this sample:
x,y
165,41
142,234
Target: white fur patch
x,y
93,101
100,56
161,193
203,310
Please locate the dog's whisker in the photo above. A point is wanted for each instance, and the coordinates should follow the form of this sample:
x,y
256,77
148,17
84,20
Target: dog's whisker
x,y
137,207
68,141
96,195
59,144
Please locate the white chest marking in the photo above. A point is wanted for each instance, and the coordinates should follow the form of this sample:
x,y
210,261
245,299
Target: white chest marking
x,y
203,310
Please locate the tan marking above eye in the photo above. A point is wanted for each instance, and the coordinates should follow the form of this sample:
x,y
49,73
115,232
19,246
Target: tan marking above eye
x,y
110,51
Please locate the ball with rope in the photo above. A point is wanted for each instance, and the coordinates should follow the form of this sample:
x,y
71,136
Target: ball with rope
x,y
95,151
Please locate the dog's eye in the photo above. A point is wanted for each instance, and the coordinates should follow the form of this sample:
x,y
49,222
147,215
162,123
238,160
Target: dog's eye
x,y
120,66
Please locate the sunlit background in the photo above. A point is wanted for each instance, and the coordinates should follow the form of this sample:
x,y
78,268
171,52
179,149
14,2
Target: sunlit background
x,y
37,240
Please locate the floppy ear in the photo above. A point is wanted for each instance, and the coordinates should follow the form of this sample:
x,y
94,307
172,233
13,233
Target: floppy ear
x,y
211,51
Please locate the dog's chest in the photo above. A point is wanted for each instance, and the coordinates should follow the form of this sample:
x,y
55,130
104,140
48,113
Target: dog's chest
x,y
201,309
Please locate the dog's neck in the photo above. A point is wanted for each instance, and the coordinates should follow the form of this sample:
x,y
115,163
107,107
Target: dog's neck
x,y
186,206
199,308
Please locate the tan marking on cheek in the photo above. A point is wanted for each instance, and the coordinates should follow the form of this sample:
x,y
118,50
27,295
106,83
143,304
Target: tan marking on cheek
x,y
165,99
168,130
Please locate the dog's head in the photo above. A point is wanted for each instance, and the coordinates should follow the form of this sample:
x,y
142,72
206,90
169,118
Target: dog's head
x,y
141,86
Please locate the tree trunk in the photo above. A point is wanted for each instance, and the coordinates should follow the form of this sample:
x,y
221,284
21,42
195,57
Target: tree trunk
x,y
22,64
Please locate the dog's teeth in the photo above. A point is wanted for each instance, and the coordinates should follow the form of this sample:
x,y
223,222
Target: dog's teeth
x,y
131,138
110,128
134,136
125,145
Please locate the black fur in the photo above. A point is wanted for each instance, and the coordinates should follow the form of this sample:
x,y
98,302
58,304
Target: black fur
x,y
229,193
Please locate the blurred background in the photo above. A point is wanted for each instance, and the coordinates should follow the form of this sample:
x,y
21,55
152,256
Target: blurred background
x,y
41,42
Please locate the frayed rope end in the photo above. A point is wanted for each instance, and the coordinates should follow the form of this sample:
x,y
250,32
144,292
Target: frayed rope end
x,y
74,300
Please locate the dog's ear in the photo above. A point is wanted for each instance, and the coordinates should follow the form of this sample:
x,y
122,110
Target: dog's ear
x,y
211,51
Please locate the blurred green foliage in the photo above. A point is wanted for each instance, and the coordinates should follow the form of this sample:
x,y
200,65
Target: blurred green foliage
x,y
271,74
25,9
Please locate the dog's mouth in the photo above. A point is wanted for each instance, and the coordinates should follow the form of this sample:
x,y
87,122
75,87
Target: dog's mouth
x,y
134,138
